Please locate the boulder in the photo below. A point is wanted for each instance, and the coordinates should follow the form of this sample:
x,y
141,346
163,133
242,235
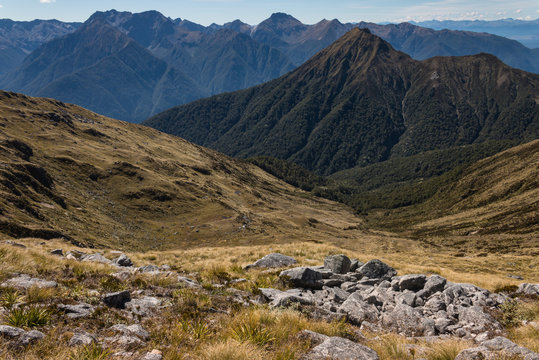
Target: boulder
x,y
10,332
474,320
148,269
355,264
188,282
408,321
528,289
375,269
273,260
123,260
338,264
131,330
497,348
357,310
434,284
303,277
30,337
153,355
97,257
124,342
337,348
146,306
82,338
117,299
24,281
413,282
313,337
77,311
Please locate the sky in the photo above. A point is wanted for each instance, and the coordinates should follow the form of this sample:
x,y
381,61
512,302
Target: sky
x,y
253,12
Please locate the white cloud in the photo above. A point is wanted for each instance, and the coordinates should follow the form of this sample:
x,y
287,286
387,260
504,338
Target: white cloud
x,y
47,1
518,11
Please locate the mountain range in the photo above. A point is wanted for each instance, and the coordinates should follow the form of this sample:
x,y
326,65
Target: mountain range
x,y
20,38
524,31
360,102
178,61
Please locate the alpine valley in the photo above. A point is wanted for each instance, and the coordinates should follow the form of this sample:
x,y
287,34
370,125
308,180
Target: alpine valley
x,y
346,191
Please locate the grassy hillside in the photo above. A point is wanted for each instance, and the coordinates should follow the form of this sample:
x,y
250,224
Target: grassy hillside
x,y
67,172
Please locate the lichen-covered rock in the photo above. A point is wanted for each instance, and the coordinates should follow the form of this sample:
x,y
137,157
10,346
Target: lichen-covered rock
x,y
24,281
303,277
273,260
528,289
338,264
30,337
77,311
97,257
10,332
82,338
376,269
145,306
337,348
358,311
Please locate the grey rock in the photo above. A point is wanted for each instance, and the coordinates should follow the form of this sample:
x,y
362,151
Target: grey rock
x,y
148,269
75,254
123,260
132,330
413,282
476,321
337,348
97,257
153,355
273,260
409,321
434,284
30,337
24,281
188,282
303,277
441,325
355,264
145,306
82,338
358,311
501,343
407,298
286,299
10,332
528,289
58,252
117,299
77,311
313,337
124,342
338,264
375,269
434,304
269,293
518,277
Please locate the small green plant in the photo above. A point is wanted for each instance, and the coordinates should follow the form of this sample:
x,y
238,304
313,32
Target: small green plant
x,y
36,294
28,317
196,328
10,297
79,273
510,313
111,284
254,333
90,352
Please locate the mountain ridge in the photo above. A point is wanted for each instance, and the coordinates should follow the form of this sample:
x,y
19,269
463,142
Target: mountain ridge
x,y
360,101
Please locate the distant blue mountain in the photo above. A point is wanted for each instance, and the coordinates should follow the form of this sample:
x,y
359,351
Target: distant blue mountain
x,y
526,32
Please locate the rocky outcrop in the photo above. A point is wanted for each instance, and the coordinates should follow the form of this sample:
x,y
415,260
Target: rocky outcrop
x,y
117,299
412,305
